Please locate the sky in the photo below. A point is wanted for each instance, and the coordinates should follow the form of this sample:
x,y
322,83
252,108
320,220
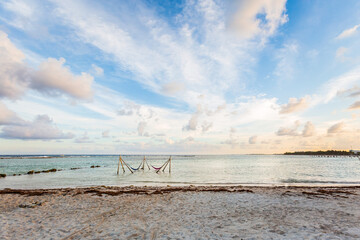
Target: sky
x,y
179,77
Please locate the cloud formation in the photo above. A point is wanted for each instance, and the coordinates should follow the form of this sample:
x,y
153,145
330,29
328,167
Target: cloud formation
x,y
141,128
206,126
340,53
348,32
173,87
8,117
83,139
355,105
309,130
336,128
106,134
202,49
42,128
289,131
129,108
14,76
253,140
339,85
294,105
98,70
248,24
52,77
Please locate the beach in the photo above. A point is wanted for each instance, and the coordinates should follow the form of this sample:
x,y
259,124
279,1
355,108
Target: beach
x,y
187,212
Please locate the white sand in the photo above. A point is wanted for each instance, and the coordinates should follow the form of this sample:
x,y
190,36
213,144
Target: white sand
x,y
264,213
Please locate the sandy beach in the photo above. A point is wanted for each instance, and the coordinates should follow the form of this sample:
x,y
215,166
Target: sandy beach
x,y
192,212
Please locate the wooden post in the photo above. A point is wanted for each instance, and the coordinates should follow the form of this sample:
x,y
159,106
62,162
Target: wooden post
x,y
170,165
167,162
122,165
143,164
147,163
162,166
127,166
118,166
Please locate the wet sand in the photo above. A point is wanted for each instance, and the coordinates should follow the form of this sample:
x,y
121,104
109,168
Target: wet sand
x,y
181,213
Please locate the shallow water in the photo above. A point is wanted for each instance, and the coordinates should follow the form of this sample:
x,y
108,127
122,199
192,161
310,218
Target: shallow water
x,y
197,170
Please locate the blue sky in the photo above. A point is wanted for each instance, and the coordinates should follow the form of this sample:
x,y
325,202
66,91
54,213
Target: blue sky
x,y
179,76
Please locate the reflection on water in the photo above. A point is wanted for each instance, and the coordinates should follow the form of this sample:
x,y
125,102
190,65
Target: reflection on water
x,y
221,169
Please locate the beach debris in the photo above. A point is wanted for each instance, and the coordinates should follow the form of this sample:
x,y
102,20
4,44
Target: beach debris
x,y
43,171
114,191
50,170
74,168
32,205
93,166
2,175
323,192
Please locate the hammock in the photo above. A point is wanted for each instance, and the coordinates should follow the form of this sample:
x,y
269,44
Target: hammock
x,y
142,166
163,166
156,168
135,169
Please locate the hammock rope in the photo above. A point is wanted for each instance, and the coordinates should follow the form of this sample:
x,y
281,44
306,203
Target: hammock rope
x,y
163,166
135,169
142,166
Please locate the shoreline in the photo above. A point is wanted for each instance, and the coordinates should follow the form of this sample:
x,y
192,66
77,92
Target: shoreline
x,y
131,189
190,212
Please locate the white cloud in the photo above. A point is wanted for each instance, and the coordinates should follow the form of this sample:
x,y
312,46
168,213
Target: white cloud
x,y
289,131
355,105
41,128
13,73
206,126
348,32
286,57
106,134
253,140
183,60
337,85
98,70
24,13
141,128
54,78
294,105
129,108
193,122
248,24
8,117
51,78
232,139
173,87
84,139
309,130
340,53
336,128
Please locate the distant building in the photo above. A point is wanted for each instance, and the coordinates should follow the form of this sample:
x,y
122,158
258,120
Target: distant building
x,y
355,151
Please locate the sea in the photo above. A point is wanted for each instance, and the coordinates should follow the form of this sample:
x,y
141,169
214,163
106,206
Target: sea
x,y
258,170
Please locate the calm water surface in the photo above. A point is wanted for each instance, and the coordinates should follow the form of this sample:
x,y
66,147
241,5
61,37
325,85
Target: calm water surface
x,y
201,170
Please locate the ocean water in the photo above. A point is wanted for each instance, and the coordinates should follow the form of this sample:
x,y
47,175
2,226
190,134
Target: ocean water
x,y
185,170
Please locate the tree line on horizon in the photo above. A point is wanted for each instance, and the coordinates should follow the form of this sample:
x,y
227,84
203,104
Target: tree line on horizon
x,y
328,152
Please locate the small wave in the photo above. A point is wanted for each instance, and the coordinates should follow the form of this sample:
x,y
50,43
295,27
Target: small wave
x,y
292,180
